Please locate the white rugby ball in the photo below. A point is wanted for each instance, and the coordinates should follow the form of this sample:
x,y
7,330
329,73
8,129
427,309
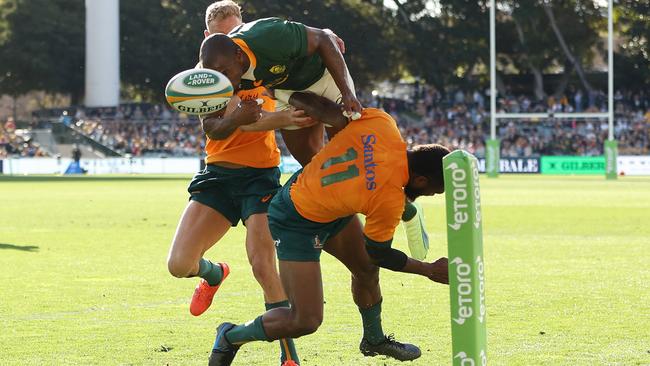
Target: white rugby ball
x,y
198,91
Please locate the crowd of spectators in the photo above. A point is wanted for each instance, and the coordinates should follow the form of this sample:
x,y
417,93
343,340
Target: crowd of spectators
x,y
461,120
454,118
17,142
145,138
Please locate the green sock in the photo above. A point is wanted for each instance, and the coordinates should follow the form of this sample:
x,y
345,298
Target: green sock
x,y
213,273
247,332
371,318
287,347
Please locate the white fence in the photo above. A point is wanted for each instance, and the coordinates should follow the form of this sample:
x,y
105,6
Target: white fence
x,y
24,166
633,165
627,165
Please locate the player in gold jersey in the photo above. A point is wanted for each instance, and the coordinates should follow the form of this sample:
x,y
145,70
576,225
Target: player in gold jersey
x,y
348,247
240,178
365,169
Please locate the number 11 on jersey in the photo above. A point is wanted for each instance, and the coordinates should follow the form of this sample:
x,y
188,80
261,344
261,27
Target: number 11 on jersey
x,y
351,171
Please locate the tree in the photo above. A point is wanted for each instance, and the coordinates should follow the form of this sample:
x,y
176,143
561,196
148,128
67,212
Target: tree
x,y
579,20
632,62
366,26
42,47
158,38
445,45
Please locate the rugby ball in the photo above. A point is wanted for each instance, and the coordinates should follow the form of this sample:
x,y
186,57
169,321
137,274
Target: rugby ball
x,y
198,91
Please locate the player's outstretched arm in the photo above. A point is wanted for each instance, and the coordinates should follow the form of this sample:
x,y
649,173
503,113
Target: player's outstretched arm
x,y
276,120
324,43
437,271
319,108
381,221
220,125
395,260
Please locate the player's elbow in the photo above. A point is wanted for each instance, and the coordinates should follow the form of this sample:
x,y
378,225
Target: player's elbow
x,y
318,40
387,257
214,129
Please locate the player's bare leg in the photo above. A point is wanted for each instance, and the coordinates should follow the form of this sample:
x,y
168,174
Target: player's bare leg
x,y
199,229
303,284
348,246
261,256
305,142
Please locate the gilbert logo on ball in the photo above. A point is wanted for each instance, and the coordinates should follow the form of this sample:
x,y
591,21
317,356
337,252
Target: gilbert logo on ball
x,y
198,91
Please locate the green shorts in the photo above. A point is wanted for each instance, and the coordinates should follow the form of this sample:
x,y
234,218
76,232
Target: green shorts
x,y
297,238
235,193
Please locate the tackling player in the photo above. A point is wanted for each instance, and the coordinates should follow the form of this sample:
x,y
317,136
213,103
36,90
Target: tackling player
x,y
240,177
349,246
366,169
285,57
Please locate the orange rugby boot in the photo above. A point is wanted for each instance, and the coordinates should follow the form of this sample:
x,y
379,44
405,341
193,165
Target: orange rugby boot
x,y
204,293
290,363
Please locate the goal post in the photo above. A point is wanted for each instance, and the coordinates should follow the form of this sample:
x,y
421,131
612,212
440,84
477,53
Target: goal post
x,y
466,260
493,146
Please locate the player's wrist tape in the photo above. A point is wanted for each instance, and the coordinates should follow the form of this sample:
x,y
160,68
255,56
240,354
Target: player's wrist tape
x,y
387,257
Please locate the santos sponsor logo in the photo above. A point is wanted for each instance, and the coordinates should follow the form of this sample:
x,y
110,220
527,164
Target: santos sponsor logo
x,y
461,195
369,164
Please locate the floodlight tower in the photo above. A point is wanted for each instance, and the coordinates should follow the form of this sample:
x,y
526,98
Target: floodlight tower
x,y
102,53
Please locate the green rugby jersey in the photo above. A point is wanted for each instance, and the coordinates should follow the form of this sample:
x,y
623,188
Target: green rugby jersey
x,y
277,50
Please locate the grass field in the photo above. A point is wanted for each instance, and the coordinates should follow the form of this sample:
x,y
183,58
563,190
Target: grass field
x,y
83,278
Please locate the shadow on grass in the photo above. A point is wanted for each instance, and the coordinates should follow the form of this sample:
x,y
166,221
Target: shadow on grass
x,y
91,178
24,248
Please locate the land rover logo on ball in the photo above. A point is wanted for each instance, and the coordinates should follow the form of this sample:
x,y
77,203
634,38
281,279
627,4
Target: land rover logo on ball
x,y
200,79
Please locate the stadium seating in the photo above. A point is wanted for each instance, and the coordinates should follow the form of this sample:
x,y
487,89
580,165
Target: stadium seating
x,y
454,118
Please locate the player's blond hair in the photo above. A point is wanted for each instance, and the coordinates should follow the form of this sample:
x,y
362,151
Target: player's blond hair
x,y
221,10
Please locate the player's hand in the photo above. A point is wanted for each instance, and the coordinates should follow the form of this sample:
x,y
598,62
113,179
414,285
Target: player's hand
x,y
351,106
247,112
300,119
439,271
339,42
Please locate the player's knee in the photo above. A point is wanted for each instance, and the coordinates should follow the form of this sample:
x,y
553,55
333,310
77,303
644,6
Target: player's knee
x,y
263,269
178,267
308,325
366,275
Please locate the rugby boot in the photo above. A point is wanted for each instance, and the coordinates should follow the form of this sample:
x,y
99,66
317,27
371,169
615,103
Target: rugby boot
x,y
223,352
204,293
391,348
